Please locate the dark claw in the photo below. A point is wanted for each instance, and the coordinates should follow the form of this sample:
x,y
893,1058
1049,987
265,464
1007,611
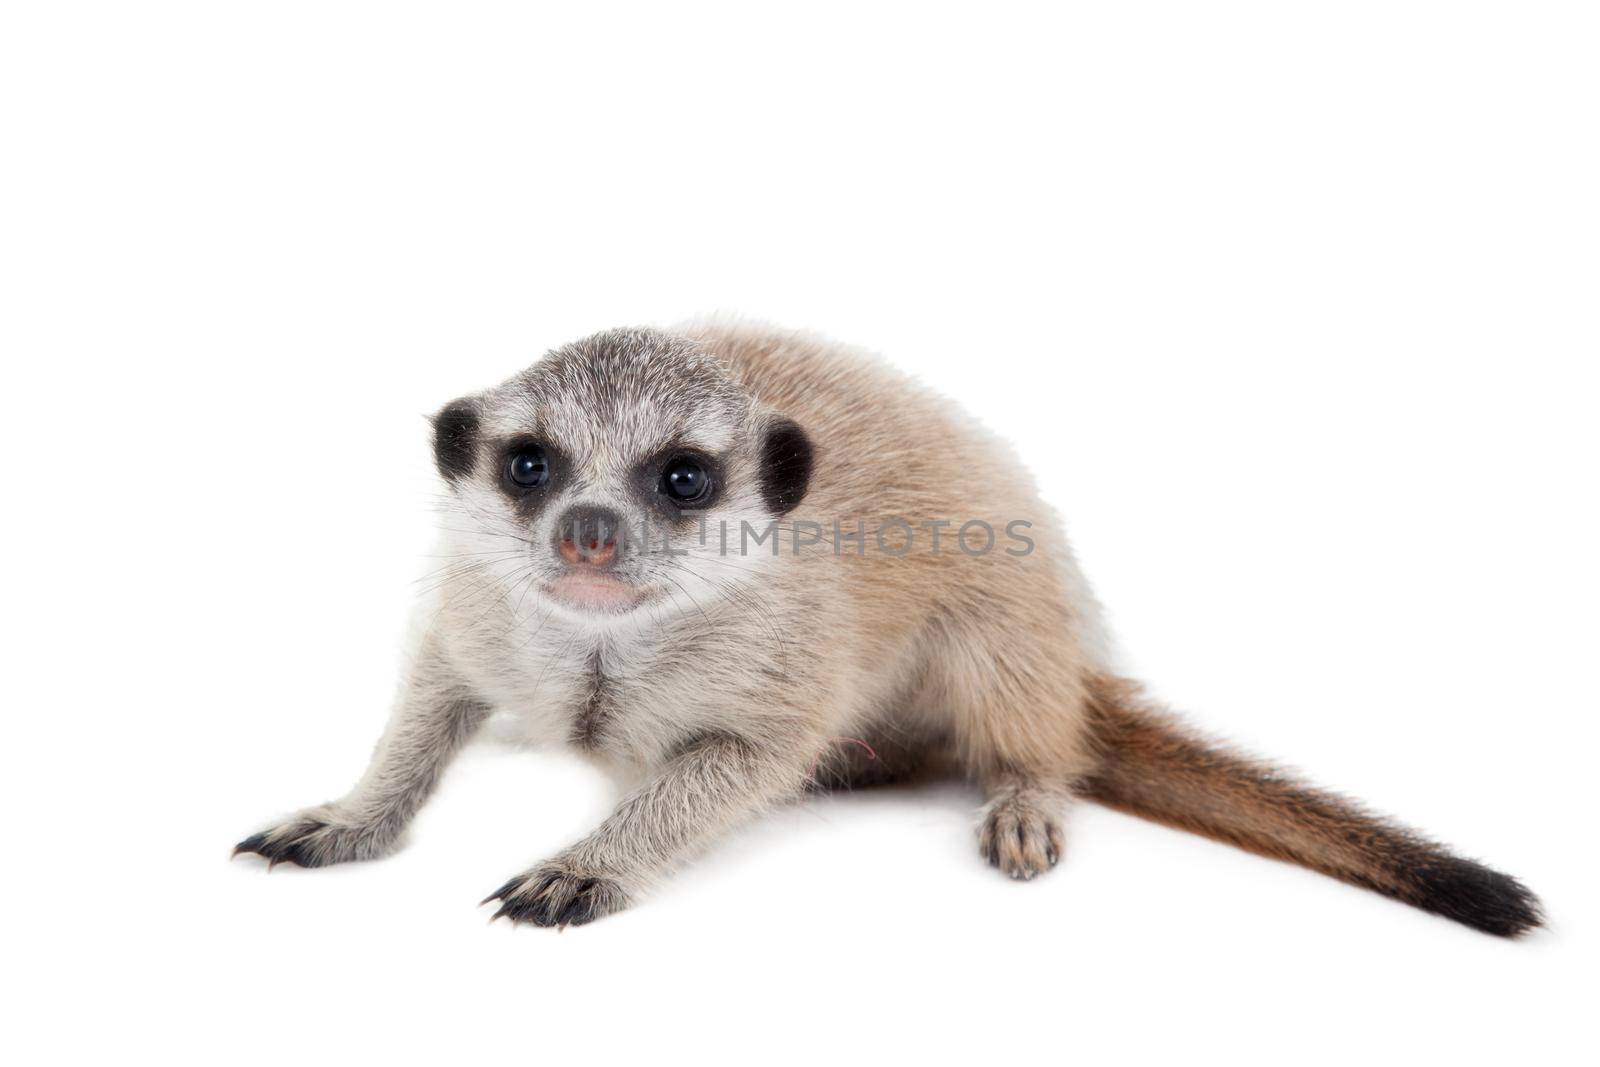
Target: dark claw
x,y
291,848
580,909
555,898
253,843
499,894
296,853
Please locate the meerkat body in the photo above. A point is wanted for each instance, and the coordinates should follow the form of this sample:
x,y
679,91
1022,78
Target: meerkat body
x,y
740,564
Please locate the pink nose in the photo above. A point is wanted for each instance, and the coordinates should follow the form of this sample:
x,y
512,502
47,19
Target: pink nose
x,y
593,551
587,536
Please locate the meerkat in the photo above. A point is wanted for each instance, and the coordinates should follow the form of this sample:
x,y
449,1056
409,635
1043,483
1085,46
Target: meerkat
x,y
908,602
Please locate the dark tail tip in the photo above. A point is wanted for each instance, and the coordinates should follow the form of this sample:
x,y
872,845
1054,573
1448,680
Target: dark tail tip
x,y
1473,894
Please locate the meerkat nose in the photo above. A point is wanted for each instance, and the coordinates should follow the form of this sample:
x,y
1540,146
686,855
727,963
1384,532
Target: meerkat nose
x,y
587,536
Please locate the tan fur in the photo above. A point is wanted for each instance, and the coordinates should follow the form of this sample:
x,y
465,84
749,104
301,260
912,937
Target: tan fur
x,y
989,648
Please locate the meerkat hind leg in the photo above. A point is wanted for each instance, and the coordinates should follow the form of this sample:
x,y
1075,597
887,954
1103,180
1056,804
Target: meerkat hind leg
x,y
1020,830
1018,732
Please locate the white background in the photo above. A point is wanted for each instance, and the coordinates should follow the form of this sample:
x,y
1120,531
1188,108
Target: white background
x,y
1291,307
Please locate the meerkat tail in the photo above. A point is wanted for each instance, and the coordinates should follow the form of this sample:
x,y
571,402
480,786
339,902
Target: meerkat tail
x,y
1153,766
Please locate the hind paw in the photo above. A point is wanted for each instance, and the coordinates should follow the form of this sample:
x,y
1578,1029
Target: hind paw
x,y
1020,836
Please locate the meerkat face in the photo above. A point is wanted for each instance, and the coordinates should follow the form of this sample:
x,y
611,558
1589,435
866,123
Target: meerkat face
x,y
604,478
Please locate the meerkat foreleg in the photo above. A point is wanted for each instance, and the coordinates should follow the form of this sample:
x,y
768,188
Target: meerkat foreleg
x,y
434,717
704,790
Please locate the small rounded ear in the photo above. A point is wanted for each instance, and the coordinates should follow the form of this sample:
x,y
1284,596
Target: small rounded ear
x,y
786,457
455,439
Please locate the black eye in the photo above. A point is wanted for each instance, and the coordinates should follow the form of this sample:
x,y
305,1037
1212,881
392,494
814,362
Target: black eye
x,y
528,468
686,481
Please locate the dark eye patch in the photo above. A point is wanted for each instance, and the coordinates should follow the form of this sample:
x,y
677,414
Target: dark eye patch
x,y
680,478
528,470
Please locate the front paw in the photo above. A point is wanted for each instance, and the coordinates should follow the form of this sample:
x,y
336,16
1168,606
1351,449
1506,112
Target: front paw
x,y
316,837
554,895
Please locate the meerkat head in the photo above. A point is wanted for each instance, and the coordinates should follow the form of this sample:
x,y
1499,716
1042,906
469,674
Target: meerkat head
x,y
600,479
